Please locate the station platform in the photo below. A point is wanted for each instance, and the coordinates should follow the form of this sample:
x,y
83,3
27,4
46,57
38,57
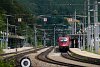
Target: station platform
x,y
18,49
84,53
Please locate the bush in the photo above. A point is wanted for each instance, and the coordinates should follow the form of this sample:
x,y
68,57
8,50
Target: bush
x,y
7,64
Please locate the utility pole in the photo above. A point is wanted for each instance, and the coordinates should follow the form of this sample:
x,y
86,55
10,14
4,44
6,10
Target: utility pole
x,y
92,42
85,14
3,40
79,46
88,32
96,29
83,36
15,39
54,35
84,25
35,37
26,33
44,39
7,34
7,30
75,22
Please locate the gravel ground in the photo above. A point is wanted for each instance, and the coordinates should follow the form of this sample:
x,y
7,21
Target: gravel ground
x,y
56,56
37,63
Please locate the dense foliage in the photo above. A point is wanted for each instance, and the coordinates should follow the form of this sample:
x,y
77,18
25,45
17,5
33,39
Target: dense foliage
x,y
49,7
16,10
42,7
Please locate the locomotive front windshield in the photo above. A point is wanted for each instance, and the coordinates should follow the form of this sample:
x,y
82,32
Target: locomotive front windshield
x,y
64,39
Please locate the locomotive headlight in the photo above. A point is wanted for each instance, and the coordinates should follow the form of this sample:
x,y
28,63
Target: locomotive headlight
x,y
25,62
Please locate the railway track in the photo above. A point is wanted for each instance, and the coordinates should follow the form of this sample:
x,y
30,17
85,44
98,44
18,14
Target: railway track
x,y
72,56
4,54
43,57
17,56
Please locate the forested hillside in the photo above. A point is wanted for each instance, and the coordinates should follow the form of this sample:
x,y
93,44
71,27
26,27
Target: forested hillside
x,y
40,7
58,7
9,7
13,8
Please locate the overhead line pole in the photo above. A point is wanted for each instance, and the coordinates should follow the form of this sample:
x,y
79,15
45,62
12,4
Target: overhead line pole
x,y
89,31
35,31
85,14
7,30
7,34
44,38
96,29
54,35
84,25
75,22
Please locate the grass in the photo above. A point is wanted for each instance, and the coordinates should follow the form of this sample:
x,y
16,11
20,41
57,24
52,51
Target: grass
x,y
39,46
10,63
7,64
1,51
1,57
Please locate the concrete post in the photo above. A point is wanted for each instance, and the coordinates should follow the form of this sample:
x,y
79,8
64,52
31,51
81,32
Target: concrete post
x,y
75,22
35,37
54,36
7,35
96,32
44,38
88,32
79,46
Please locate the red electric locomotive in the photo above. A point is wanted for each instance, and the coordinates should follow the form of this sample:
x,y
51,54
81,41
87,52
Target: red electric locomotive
x,y
64,43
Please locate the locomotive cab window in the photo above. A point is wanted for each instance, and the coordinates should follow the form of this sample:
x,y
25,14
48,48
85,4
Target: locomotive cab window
x,y
64,40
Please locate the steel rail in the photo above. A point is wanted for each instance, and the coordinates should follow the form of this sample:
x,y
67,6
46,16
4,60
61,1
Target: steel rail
x,y
43,57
